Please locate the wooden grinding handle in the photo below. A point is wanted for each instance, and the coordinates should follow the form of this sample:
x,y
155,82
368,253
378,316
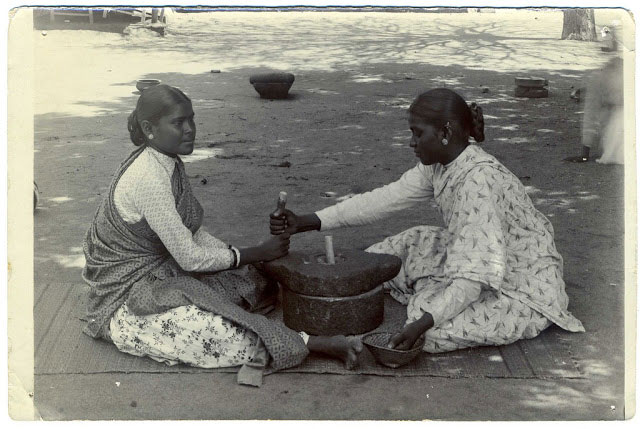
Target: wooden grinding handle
x,y
282,201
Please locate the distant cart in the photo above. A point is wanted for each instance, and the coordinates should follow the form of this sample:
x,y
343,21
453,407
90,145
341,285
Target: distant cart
x,y
113,20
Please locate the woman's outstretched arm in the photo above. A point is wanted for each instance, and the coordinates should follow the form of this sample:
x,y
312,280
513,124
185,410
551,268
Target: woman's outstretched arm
x,y
412,188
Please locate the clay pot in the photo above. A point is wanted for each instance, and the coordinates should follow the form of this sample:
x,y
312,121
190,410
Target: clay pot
x,y
143,84
272,85
377,344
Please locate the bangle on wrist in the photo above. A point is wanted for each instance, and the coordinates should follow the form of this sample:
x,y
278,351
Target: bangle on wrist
x,y
235,263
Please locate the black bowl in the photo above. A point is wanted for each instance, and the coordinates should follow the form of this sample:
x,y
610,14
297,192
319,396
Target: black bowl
x,y
272,85
377,343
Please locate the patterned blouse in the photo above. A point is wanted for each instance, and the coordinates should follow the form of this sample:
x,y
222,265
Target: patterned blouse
x,y
144,191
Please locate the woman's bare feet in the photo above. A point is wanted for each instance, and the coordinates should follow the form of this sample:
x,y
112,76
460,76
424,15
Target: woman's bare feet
x,y
344,348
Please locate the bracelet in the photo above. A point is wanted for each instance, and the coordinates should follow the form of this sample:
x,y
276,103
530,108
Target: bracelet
x,y
236,257
234,262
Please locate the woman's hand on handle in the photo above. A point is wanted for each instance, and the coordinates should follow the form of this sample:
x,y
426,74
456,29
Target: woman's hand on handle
x,y
290,223
273,248
285,222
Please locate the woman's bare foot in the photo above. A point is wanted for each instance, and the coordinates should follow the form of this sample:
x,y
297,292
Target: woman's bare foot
x,y
344,348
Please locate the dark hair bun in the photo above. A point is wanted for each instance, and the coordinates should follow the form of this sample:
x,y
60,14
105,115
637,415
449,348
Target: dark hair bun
x,y
477,122
135,131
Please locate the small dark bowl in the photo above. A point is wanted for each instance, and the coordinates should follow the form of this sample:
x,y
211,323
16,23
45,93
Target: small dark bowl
x,y
272,85
143,84
377,342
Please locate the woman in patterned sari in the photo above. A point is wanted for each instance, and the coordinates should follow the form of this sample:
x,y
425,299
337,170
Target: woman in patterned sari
x,y
161,286
490,277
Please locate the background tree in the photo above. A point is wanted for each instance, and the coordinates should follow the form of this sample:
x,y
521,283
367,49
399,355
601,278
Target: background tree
x,y
579,24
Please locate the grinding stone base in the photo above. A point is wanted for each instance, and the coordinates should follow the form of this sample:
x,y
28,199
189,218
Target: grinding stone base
x,y
348,315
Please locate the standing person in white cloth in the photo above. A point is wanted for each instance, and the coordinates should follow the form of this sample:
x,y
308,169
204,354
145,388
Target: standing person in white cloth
x,y
490,277
603,120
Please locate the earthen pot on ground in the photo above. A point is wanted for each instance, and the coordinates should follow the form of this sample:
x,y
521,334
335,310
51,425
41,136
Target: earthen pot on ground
x,y
272,85
345,298
143,84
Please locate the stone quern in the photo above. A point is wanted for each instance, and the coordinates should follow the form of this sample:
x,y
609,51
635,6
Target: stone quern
x,y
345,298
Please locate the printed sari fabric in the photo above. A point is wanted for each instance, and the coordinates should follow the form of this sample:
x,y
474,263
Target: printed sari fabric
x,y
129,263
494,236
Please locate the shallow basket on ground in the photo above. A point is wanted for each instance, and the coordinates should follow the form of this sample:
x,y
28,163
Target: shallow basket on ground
x,y
377,343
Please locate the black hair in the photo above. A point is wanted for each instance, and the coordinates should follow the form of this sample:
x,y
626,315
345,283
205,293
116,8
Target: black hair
x,y
441,105
153,103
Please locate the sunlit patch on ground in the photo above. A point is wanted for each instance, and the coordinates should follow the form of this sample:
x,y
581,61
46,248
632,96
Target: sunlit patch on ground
x,y
207,104
514,140
321,91
69,261
495,358
397,102
351,127
512,127
531,190
365,78
545,130
556,396
497,98
203,153
375,112
448,81
60,199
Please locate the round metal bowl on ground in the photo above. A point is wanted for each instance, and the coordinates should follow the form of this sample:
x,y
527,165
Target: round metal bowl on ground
x,y
143,84
272,85
377,343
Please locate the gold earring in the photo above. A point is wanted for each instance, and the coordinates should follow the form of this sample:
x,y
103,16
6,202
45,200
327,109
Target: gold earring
x,y
445,142
150,136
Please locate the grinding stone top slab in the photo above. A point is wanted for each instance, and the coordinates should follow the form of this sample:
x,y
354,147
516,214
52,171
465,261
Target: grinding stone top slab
x,y
354,272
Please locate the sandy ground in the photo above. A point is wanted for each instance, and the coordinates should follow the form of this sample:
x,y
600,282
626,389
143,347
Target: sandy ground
x,y
343,130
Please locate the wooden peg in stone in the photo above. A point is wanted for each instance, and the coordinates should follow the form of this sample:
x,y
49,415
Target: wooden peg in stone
x,y
328,248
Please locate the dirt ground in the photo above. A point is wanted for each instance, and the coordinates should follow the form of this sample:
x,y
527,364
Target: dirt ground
x,y
343,130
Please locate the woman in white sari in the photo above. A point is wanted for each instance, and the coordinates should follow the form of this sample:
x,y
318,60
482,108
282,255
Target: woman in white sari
x,y
493,275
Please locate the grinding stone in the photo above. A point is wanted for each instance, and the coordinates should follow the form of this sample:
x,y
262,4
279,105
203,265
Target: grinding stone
x,y
355,272
350,315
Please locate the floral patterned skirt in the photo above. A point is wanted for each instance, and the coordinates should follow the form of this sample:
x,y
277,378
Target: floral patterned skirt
x,y
185,335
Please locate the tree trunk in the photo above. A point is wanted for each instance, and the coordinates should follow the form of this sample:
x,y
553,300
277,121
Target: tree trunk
x,y
579,24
